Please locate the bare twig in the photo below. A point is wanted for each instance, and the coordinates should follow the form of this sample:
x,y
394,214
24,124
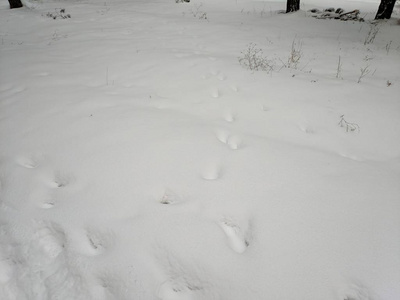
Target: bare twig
x,y
350,127
371,35
253,59
364,72
339,69
295,54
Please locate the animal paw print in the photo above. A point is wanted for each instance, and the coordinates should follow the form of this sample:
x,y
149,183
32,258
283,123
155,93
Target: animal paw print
x,y
238,240
170,197
234,142
211,171
29,162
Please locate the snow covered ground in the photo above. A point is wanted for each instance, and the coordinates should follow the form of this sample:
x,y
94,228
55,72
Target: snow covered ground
x,y
140,160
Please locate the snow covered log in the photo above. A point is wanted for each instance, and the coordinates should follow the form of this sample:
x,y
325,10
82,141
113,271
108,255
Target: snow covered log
x,y
339,14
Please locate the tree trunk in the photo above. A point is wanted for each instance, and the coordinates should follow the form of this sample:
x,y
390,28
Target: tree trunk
x,y
15,3
292,5
385,9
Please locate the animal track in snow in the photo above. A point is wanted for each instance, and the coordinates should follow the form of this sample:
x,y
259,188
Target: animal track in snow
x,y
215,73
110,286
229,116
264,108
222,135
98,242
42,197
28,162
49,264
95,245
234,88
211,171
233,141
236,237
61,180
351,156
47,204
174,290
50,239
306,129
92,242
181,280
169,197
221,76
355,292
215,93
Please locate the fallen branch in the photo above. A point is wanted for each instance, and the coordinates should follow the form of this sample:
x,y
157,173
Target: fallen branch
x,y
337,14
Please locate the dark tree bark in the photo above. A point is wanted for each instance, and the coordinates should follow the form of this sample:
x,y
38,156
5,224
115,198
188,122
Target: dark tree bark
x,y
385,9
292,5
15,3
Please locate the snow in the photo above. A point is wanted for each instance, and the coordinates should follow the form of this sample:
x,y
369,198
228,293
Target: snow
x,y
140,160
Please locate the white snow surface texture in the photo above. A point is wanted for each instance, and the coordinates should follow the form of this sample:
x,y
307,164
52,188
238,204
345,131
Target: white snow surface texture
x,y
139,159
